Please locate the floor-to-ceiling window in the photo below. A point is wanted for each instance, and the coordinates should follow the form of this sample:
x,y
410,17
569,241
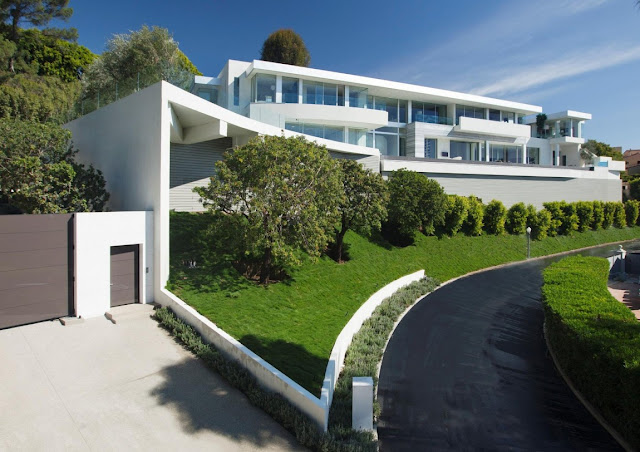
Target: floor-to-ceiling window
x,y
358,97
464,150
322,93
431,148
533,156
317,130
430,113
263,88
469,112
290,90
389,141
505,153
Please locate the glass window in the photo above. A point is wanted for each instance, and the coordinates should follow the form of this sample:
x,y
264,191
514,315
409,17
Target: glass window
x,y
508,116
358,137
264,88
402,111
370,102
369,139
210,94
514,154
494,115
236,91
314,130
341,95
387,144
533,156
357,97
313,92
417,112
334,133
430,113
388,105
290,90
294,126
497,153
431,148
330,94
468,112
459,149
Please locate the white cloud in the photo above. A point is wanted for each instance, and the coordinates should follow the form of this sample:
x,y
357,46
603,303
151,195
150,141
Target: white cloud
x,y
572,65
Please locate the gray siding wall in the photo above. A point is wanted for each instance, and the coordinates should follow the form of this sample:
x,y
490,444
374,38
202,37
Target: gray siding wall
x,y
370,162
191,166
511,190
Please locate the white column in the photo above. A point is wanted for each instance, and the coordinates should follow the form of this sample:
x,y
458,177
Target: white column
x,y
571,127
486,113
557,129
580,129
487,148
300,92
346,95
525,160
409,106
362,404
557,162
278,89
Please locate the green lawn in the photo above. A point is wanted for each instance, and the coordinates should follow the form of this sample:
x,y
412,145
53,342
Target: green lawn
x,y
294,324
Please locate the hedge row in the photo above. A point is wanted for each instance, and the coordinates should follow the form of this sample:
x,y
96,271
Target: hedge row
x,y
596,340
366,350
471,217
292,419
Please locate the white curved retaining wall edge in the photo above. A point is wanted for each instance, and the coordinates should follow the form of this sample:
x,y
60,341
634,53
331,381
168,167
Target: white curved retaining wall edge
x,y
336,359
270,377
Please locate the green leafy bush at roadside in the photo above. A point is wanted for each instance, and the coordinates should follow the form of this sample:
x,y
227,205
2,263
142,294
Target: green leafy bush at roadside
x,y
596,340
632,211
584,211
305,431
619,216
609,214
540,223
569,218
495,215
366,349
598,215
455,214
472,225
516,222
555,209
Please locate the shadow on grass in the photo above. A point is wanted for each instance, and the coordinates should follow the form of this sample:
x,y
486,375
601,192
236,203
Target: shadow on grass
x,y
304,368
202,401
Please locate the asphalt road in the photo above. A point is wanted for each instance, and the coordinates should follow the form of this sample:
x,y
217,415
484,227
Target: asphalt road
x,y
468,369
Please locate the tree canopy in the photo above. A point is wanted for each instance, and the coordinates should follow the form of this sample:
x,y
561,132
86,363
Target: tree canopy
x,y
286,190
39,173
37,13
602,149
363,206
285,46
149,52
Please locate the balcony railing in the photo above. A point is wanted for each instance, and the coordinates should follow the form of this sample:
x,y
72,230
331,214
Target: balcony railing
x,y
433,119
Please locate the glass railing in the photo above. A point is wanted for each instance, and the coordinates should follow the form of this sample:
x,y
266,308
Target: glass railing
x,y
111,92
432,119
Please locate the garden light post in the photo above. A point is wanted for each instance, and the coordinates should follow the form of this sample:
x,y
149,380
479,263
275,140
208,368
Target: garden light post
x,y
528,242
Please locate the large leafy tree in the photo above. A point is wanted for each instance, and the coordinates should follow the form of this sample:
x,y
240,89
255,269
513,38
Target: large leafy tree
x,y
602,149
37,13
286,190
285,46
150,53
363,207
416,203
39,173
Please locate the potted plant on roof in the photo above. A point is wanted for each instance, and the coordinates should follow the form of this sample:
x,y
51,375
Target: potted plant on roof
x,y
541,119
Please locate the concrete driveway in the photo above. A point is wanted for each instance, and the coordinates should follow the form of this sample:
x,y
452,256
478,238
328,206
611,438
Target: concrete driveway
x,y
128,386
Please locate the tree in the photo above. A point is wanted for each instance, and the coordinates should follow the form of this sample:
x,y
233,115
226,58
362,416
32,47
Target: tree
x,y
285,46
39,173
287,190
602,149
36,12
495,215
415,203
363,207
150,53
541,119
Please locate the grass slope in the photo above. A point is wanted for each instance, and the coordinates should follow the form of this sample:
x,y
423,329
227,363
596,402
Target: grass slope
x,y
293,325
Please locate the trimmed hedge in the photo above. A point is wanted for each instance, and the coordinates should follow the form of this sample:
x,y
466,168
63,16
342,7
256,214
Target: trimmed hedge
x,y
495,215
596,340
366,350
276,406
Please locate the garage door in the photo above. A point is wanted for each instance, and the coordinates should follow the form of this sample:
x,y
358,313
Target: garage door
x,y
36,268
124,275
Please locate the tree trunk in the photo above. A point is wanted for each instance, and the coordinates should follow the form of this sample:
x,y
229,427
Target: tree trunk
x,y
339,244
265,271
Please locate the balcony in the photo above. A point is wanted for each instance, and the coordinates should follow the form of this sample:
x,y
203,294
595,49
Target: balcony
x,y
328,115
497,128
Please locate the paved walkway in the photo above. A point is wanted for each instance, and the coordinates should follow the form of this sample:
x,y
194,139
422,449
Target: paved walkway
x,y
129,386
628,293
468,369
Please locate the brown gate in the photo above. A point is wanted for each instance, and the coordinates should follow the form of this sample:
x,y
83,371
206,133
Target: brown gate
x,y
125,271
36,268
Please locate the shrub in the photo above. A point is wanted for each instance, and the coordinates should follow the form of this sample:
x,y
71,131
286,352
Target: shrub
x,y
569,218
619,216
540,223
455,214
555,210
495,215
598,215
516,222
609,214
631,210
584,210
596,340
475,213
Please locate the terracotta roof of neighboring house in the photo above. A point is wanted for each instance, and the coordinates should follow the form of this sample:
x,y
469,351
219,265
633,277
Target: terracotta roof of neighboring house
x,y
630,152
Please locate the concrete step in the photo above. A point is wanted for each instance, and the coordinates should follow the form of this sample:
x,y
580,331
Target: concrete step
x,y
128,312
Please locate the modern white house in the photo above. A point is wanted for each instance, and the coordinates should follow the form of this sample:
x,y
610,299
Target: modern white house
x,y
470,144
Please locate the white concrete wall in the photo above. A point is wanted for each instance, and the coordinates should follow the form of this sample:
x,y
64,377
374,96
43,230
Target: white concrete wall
x,y
498,128
329,115
95,233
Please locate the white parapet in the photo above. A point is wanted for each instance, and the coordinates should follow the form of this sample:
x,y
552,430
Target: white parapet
x,y
362,408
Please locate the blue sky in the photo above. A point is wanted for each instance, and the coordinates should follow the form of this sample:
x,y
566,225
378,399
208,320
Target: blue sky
x,y
561,54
